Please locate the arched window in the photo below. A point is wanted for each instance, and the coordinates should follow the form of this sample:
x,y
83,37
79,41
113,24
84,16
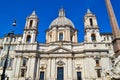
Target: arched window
x,y
93,37
61,36
91,22
31,22
28,38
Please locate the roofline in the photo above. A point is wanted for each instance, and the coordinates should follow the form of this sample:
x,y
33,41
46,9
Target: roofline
x,y
106,33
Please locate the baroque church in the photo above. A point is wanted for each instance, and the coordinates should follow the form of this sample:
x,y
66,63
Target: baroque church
x,y
61,57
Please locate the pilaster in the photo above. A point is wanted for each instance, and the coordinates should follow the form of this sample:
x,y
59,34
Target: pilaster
x,y
70,76
53,68
48,69
67,34
32,67
17,67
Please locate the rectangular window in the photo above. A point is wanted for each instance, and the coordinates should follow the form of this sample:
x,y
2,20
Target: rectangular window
x,y
60,75
79,76
22,72
41,76
24,62
9,63
2,62
98,73
97,62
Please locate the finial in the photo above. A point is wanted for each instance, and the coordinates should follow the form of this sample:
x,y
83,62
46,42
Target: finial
x,y
14,23
33,13
88,11
61,12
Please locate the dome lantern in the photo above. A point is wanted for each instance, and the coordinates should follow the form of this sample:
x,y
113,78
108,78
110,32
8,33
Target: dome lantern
x,y
61,12
61,20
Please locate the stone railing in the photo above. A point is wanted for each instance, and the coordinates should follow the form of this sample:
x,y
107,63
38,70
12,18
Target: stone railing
x,y
27,47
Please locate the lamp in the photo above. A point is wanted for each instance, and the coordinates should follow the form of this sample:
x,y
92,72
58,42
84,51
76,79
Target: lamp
x,y
10,34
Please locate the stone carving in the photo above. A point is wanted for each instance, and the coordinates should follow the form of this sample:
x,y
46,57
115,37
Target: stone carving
x,y
114,72
60,63
43,66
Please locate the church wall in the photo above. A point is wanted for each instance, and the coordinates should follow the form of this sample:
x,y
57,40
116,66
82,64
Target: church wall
x,y
85,65
105,63
72,56
17,67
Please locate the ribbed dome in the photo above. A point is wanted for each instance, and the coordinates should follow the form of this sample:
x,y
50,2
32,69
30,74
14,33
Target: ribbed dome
x,y
61,20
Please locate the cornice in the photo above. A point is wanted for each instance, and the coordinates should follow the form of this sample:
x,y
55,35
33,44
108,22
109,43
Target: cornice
x,y
27,51
96,50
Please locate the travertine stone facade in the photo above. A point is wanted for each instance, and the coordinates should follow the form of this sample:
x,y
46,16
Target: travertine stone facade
x,y
30,60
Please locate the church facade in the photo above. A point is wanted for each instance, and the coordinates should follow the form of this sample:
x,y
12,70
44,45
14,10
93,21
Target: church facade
x,y
62,57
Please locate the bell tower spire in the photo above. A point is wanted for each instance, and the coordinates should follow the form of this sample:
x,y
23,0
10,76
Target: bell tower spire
x,y
115,28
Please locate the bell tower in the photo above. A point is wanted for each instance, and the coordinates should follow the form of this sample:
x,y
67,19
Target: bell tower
x,y
31,29
91,28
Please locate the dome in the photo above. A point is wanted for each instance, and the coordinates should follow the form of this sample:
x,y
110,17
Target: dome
x,y
61,20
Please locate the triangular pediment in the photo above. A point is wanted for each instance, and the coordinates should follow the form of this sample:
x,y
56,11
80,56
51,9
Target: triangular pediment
x,y
60,49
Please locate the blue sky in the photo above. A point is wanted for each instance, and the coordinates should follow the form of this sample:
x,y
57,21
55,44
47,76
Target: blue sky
x,y
47,11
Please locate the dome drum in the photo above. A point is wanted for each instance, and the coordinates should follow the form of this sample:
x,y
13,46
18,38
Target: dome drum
x,y
61,26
